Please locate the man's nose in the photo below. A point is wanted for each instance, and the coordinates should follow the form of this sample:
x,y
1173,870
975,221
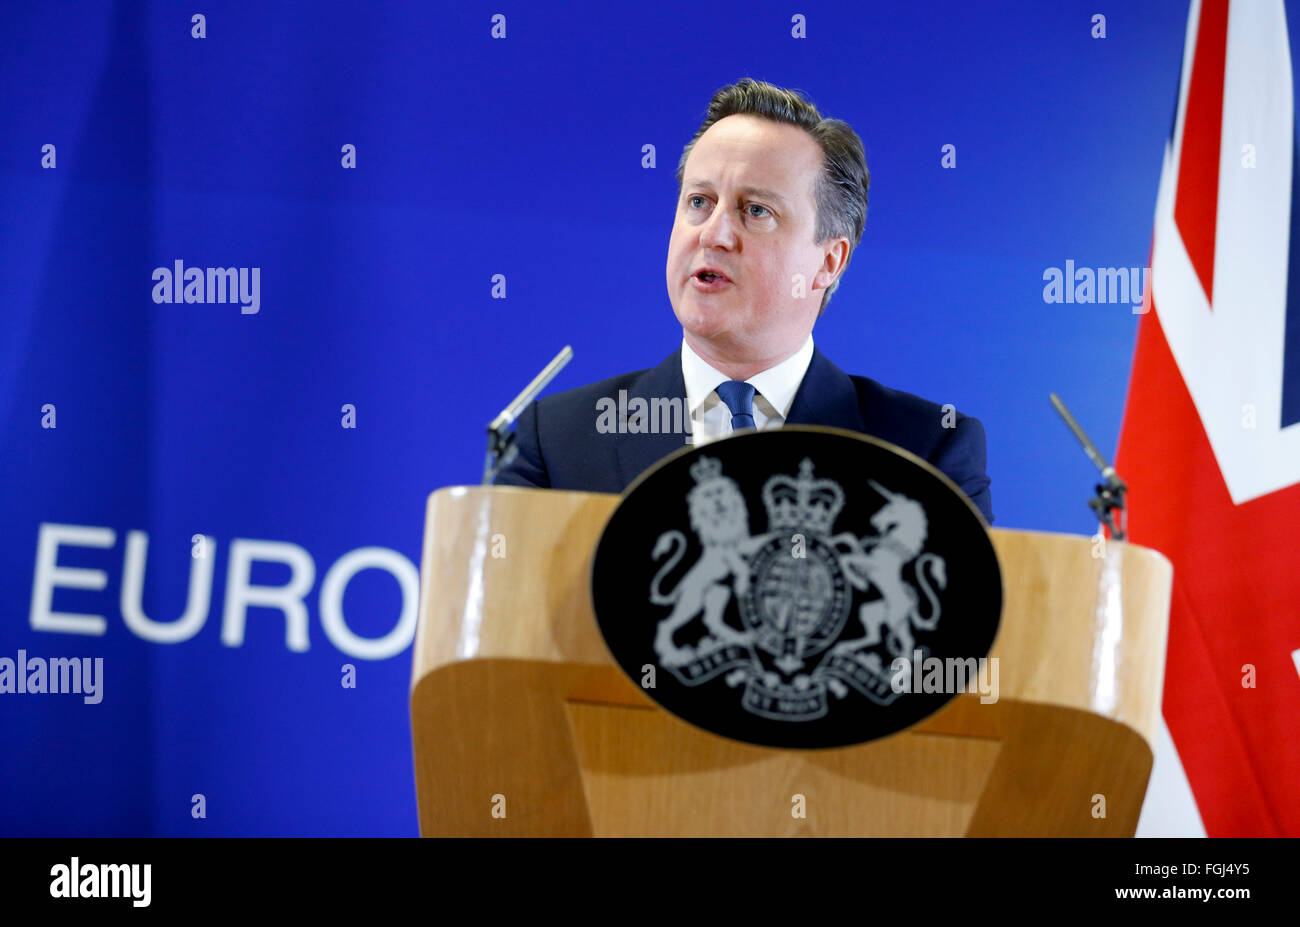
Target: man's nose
x,y
719,229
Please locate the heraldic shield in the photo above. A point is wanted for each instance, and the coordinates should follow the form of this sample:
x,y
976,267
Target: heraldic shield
x,y
797,587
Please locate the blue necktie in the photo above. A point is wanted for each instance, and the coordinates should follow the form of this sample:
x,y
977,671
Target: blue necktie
x,y
739,397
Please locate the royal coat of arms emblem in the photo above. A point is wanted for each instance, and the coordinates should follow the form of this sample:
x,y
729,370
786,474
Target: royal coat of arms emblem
x,y
817,608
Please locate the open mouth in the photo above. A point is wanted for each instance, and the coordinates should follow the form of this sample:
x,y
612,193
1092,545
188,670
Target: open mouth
x,y
709,276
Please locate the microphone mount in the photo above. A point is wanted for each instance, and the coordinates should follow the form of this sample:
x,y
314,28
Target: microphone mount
x,y
501,444
1108,503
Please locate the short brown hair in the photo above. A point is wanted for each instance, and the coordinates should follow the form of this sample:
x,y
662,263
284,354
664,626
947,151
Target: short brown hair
x,y
840,192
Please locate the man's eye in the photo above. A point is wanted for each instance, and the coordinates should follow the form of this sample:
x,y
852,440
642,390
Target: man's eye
x,y
690,201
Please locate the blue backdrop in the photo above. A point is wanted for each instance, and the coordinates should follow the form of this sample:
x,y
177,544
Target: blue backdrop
x,y
475,156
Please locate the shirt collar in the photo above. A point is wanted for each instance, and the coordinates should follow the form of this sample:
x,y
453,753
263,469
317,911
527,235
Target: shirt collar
x,y
777,385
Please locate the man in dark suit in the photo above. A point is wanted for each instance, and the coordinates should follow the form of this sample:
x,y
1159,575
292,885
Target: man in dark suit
x,y
772,202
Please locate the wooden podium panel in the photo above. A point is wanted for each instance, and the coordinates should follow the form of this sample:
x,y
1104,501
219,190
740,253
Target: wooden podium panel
x,y
518,709
658,777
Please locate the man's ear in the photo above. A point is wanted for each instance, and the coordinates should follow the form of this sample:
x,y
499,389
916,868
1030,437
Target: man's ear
x,y
833,265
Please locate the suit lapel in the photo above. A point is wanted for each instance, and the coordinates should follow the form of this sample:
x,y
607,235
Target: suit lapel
x,y
826,396
637,452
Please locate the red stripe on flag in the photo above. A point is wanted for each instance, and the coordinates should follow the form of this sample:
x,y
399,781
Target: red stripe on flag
x,y
1196,202
1236,601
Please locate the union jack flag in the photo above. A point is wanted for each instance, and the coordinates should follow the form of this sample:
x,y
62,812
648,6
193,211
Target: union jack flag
x,y
1210,444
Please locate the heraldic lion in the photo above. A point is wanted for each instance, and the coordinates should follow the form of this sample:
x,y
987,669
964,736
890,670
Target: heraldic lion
x,y
721,521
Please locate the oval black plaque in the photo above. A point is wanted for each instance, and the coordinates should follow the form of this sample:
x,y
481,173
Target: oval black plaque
x,y
802,587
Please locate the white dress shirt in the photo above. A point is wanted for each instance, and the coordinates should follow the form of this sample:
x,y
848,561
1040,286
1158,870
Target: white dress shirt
x,y
775,388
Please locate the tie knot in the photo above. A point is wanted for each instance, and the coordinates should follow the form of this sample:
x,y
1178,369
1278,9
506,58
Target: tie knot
x,y
738,395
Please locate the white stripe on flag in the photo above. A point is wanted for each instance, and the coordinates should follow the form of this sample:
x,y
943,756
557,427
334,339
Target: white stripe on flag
x,y
1230,355
1169,809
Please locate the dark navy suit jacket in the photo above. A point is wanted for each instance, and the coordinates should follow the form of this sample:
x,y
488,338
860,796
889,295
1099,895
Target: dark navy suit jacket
x,y
561,447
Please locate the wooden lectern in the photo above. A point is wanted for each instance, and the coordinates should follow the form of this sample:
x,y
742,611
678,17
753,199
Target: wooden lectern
x,y
517,707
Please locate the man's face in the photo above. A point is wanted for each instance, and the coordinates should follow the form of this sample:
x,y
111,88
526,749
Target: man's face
x,y
747,210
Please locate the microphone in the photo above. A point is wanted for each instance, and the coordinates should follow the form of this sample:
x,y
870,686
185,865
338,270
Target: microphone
x,y
1110,493
501,449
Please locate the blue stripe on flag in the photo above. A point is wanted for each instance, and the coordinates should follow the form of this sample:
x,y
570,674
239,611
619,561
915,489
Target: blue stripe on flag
x,y
1291,341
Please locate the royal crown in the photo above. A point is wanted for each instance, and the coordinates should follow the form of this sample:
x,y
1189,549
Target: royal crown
x,y
802,504
705,469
